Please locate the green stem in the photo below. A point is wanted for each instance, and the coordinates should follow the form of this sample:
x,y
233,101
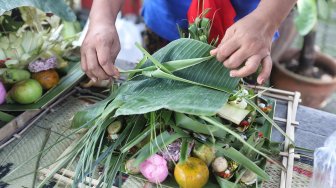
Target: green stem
x,y
184,150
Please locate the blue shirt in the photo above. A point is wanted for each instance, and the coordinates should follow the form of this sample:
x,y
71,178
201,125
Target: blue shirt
x,y
163,16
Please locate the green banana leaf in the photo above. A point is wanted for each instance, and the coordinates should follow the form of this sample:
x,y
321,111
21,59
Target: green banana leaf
x,y
58,7
142,94
66,83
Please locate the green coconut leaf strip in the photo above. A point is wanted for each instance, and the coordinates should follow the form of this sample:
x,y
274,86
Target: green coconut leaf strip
x,y
268,119
238,137
223,183
155,62
160,74
184,150
177,65
138,138
172,66
159,142
188,123
243,160
6,117
138,66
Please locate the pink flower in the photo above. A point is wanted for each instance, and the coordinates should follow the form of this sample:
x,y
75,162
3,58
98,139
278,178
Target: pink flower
x,y
154,169
2,93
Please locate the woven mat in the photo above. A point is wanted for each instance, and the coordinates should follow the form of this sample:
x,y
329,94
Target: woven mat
x,y
55,126
45,132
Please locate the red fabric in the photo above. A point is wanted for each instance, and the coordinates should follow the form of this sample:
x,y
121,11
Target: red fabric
x,y
221,13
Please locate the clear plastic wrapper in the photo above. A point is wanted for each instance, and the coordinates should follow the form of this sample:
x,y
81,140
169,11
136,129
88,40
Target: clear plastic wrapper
x,y
324,174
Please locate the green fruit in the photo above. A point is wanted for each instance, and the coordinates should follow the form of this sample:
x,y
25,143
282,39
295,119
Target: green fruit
x,y
12,76
26,91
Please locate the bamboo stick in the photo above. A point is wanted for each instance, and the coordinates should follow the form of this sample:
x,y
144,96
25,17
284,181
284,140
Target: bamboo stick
x,y
285,154
290,162
276,96
286,146
294,123
279,91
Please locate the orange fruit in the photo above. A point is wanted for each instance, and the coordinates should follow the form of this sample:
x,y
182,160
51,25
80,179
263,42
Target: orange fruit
x,y
47,79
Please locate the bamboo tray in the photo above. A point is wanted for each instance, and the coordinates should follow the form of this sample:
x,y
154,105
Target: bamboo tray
x,y
65,176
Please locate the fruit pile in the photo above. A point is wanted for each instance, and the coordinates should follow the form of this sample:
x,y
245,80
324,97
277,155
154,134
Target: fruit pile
x,y
32,53
26,86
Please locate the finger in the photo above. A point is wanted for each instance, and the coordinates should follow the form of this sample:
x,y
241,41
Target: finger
x,y
266,64
226,49
83,62
93,66
213,52
236,59
115,53
105,60
251,65
85,67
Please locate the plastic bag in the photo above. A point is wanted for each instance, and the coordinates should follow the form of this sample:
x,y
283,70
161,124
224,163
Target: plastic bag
x,y
324,174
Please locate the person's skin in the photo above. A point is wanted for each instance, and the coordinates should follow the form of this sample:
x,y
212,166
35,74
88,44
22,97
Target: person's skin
x,y
247,43
101,44
245,46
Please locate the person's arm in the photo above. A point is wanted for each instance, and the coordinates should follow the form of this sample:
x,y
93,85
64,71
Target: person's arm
x,y
101,44
247,43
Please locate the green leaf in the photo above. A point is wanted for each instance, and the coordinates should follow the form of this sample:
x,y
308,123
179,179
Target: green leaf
x,y
232,113
156,145
142,94
268,119
190,124
58,7
243,160
266,127
307,16
223,183
6,117
238,137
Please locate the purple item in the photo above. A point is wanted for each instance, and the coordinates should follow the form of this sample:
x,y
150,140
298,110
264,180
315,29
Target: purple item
x,y
172,152
2,93
42,64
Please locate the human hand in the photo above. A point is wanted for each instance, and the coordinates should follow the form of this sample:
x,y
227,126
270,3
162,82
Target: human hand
x,y
246,45
99,51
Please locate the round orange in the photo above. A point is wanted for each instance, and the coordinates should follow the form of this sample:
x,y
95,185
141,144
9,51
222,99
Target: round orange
x,y
193,173
47,79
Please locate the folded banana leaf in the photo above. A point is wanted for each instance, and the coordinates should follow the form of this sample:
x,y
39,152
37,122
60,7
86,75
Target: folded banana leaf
x,y
67,82
142,94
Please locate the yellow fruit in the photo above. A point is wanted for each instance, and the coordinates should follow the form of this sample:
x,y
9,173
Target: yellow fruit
x,y
47,79
193,173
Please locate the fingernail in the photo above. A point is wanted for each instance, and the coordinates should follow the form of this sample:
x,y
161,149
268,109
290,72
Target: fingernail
x,y
94,79
213,52
232,74
261,81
